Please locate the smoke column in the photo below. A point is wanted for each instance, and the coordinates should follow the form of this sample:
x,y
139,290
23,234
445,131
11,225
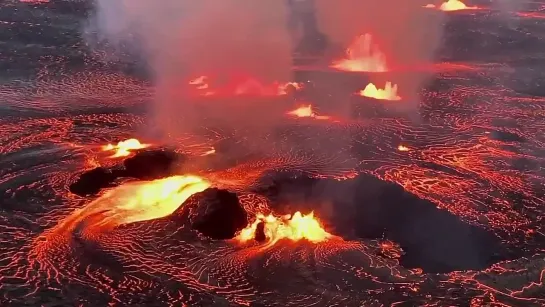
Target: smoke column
x,y
185,39
407,33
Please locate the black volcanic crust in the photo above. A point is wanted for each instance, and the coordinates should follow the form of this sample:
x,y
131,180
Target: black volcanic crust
x,y
260,232
146,165
151,164
91,182
368,207
219,214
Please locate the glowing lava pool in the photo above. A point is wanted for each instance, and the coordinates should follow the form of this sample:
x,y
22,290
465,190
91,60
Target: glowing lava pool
x,y
348,200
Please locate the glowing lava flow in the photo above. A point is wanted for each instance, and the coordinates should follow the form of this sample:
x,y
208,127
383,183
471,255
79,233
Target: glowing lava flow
x,y
201,83
123,148
362,56
388,93
452,5
209,152
136,202
295,228
283,88
536,15
244,86
306,111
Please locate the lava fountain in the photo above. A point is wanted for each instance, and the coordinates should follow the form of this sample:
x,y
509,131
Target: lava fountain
x,y
452,5
362,56
306,111
123,148
389,92
273,229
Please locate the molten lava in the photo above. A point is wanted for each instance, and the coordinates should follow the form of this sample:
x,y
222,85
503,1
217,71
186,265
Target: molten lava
x,y
209,152
388,93
362,56
123,148
403,148
536,15
138,201
452,5
295,228
306,111
242,86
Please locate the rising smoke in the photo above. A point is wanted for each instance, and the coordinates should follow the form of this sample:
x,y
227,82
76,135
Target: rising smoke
x,y
185,39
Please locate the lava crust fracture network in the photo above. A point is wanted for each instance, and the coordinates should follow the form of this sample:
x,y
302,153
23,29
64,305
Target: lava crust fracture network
x,y
365,207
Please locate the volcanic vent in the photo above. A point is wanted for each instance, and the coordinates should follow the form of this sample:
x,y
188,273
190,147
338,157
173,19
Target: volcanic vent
x,y
369,208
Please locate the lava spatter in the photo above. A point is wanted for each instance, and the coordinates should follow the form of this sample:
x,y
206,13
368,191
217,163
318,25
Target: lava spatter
x,y
362,56
452,5
306,111
389,92
295,228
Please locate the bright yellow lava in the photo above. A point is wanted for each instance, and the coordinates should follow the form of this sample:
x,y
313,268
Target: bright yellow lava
x,y
295,228
138,201
403,148
123,148
452,5
362,56
306,111
388,93
455,5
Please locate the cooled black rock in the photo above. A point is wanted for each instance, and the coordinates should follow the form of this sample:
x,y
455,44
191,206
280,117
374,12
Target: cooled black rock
x,y
151,164
91,182
219,215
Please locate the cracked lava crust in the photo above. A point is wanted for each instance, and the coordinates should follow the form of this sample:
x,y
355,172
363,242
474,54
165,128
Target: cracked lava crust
x,y
366,209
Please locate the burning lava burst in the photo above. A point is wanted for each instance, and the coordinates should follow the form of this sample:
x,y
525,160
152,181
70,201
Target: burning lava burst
x,y
389,92
362,56
273,229
134,202
452,5
306,111
247,86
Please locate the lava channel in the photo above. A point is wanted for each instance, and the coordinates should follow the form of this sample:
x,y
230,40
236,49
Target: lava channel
x,y
293,227
306,111
136,202
452,5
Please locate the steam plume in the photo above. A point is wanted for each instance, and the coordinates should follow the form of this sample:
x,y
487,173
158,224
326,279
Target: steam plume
x,y
405,32
185,39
